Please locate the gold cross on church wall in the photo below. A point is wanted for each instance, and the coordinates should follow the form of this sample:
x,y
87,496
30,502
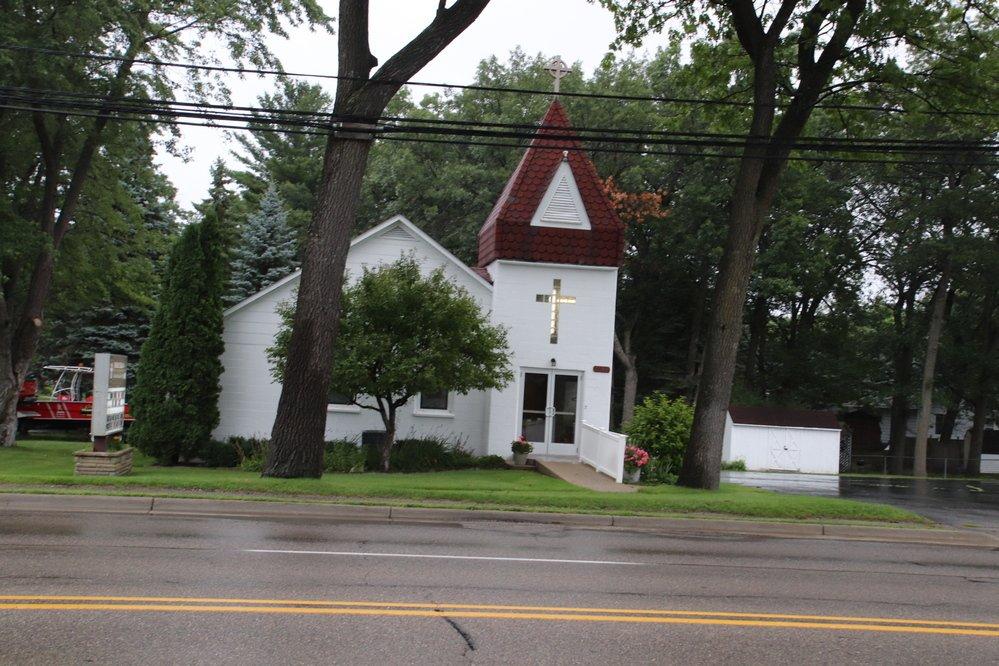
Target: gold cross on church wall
x,y
556,299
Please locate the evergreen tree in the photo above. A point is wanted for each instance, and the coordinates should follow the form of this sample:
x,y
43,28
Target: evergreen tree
x,y
177,380
291,162
267,249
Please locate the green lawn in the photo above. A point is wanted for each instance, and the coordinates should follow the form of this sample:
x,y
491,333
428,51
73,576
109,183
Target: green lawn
x,y
36,464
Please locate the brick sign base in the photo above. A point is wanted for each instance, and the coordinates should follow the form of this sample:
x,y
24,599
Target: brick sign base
x,y
103,463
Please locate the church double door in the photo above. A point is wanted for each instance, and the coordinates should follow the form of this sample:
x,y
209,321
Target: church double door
x,y
549,411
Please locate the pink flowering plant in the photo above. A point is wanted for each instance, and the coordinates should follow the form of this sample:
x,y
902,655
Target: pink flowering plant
x,y
635,458
521,445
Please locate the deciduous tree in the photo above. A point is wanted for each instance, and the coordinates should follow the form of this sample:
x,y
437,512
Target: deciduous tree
x,y
361,97
402,334
48,157
798,52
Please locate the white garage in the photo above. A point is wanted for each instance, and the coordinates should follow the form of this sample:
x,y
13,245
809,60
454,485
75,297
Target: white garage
x,y
780,439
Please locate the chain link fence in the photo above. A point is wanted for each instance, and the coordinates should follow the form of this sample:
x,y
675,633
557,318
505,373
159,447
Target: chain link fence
x,y
886,464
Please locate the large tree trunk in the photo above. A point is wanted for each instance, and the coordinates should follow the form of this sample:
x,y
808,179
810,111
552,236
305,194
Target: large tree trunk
x,y
757,333
974,464
929,372
9,387
898,423
702,462
297,439
756,183
694,342
982,402
946,433
901,378
297,436
624,353
19,349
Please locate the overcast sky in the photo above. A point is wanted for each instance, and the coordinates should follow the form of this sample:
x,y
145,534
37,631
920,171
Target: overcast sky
x,y
575,29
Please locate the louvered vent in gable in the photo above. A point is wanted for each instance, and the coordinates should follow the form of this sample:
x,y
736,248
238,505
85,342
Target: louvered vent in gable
x,y
398,233
562,206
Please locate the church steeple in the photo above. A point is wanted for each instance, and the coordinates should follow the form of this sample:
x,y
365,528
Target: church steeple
x,y
553,209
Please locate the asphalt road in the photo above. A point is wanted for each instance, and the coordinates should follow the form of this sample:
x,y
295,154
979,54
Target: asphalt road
x,y
106,588
956,502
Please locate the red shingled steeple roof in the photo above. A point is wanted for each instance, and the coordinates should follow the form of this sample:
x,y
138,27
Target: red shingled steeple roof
x,y
507,232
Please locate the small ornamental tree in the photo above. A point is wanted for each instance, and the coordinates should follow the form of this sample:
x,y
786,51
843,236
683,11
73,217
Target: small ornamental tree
x,y
266,251
403,333
177,380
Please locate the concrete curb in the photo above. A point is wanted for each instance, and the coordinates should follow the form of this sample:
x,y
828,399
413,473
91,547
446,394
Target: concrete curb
x,y
170,506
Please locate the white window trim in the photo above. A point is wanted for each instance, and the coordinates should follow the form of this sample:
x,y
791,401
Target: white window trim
x,y
343,409
439,413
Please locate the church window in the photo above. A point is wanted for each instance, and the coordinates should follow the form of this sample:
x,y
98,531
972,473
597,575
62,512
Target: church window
x,y
436,401
335,398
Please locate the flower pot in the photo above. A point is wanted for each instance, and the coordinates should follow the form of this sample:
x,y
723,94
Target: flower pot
x,y
632,475
519,459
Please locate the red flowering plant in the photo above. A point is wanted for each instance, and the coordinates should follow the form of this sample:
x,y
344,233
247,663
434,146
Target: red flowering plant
x,y
635,458
521,445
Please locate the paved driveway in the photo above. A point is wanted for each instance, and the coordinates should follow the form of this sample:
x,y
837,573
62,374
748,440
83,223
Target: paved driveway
x,y
949,501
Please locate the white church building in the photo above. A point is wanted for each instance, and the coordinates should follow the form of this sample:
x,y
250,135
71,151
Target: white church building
x,y
547,271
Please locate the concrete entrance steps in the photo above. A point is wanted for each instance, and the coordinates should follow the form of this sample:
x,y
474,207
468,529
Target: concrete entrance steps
x,y
579,474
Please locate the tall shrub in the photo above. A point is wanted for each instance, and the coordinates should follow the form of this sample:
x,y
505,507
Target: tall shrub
x,y
177,380
661,426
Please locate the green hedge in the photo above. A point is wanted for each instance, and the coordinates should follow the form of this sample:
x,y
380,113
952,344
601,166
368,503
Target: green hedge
x,y
426,454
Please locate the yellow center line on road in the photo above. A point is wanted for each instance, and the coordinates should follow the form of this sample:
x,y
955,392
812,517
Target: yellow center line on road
x,y
493,607
405,609
370,612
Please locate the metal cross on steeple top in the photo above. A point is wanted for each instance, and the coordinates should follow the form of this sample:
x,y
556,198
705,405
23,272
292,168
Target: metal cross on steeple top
x,y
558,69
556,299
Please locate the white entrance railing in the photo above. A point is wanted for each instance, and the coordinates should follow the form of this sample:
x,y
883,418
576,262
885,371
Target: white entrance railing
x,y
603,450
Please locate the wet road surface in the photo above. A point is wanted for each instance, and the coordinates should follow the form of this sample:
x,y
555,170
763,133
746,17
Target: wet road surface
x,y
107,588
949,501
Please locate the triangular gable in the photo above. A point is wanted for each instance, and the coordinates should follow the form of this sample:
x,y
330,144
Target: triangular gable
x,y
394,228
562,206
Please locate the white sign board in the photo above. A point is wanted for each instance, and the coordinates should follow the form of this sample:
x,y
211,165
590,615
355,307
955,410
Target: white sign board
x,y
108,415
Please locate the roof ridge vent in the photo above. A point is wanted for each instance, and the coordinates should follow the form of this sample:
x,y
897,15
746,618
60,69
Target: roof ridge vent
x,y
398,232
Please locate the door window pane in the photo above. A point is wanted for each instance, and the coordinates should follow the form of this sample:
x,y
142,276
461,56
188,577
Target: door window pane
x,y
564,429
533,426
535,392
436,401
565,393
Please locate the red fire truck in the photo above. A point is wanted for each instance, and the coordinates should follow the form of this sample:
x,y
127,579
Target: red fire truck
x,y
68,406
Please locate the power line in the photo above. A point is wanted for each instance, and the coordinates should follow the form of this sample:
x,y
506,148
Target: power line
x,y
600,149
324,118
520,146
231,113
252,122
478,88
